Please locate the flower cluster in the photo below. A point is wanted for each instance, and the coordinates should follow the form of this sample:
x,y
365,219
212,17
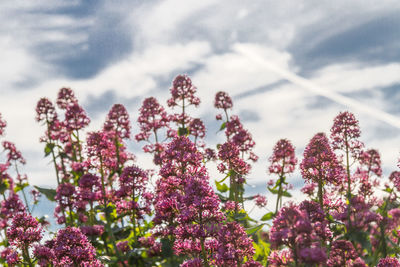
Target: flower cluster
x,y
112,212
345,133
303,229
71,247
320,163
283,159
24,231
118,121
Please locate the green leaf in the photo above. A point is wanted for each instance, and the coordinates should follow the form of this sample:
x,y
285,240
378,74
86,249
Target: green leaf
x,y
48,149
223,126
273,191
166,248
4,186
286,194
182,131
267,216
228,175
240,216
49,193
362,238
389,190
20,187
254,229
221,197
221,187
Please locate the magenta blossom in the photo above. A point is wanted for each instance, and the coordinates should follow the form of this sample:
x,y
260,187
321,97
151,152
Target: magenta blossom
x,y
283,159
45,111
73,247
3,125
345,133
118,121
24,231
151,119
66,98
182,89
388,262
320,163
223,101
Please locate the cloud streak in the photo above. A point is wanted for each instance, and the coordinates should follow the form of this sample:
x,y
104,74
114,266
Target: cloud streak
x,y
316,89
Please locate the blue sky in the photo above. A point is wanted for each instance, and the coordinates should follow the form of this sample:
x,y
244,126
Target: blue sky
x,y
123,51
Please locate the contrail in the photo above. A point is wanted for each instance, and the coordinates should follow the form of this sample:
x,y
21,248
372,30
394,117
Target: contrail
x,y
312,87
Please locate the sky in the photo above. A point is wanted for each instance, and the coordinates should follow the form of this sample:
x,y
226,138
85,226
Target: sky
x,y
290,66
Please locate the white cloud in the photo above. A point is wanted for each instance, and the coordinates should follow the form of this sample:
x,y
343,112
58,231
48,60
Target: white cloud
x,y
350,77
176,36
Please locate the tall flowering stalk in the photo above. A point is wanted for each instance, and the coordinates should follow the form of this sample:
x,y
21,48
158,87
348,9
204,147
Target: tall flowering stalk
x,y
187,210
23,233
320,165
182,95
152,119
133,198
344,134
369,172
239,144
283,162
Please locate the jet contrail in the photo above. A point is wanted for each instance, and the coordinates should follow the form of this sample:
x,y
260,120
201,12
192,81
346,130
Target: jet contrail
x,y
312,87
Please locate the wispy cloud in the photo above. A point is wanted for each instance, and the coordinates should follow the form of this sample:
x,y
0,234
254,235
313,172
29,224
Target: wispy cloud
x,y
125,52
316,89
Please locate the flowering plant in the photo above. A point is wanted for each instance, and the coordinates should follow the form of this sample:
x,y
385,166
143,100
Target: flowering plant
x,y
110,213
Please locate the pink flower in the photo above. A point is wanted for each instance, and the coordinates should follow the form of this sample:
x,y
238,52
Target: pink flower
x,y
44,254
280,258
182,89
66,98
118,121
45,111
95,230
229,154
13,258
320,162
152,118
345,133
123,246
303,229
75,117
395,178
371,160
342,251
283,159
261,201
223,101
388,262
13,154
24,231
71,246
197,128
3,125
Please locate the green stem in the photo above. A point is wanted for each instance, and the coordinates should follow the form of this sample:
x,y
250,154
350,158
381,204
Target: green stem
x,y
183,112
108,220
25,254
348,185
320,193
203,253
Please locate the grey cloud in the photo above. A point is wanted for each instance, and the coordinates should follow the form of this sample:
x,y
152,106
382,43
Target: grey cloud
x,y
391,95
260,90
375,41
96,38
98,105
248,115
